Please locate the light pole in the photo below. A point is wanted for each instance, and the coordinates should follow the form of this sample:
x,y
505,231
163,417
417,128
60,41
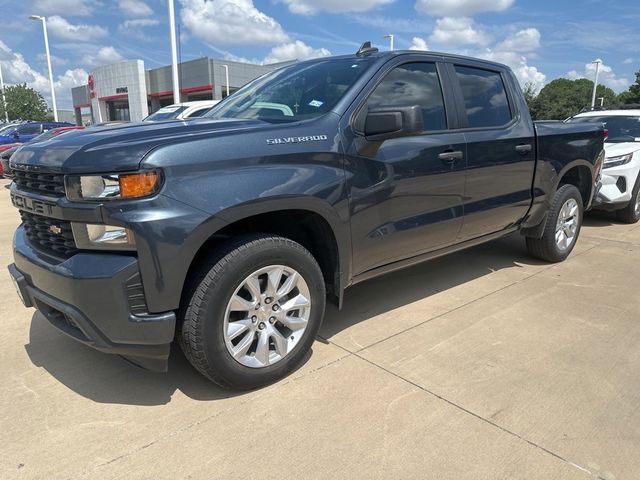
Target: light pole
x,y
390,37
595,84
46,47
174,53
4,100
226,74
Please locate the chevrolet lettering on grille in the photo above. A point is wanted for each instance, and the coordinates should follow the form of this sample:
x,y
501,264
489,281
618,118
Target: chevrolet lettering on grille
x,y
32,205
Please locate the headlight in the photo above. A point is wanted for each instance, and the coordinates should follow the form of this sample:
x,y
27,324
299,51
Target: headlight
x,y
102,237
112,187
611,162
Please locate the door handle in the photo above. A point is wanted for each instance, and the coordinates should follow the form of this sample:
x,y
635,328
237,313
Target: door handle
x,y
524,149
451,156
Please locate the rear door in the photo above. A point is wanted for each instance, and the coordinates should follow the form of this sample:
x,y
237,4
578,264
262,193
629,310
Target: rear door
x,y
500,148
405,192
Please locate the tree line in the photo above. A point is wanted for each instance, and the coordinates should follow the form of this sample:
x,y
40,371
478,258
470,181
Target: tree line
x,y
563,98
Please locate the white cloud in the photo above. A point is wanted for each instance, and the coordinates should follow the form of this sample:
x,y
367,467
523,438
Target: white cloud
x,y
606,76
61,28
104,56
230,22
135,8
627,61
526,40
138,23
310,7
52,7
461,8
418,44
456,31
55,61
17,71
296,50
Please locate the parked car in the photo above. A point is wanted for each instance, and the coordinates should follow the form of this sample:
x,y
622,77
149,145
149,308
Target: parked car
x,y
23,132
620,191
6,151
181,111
229,233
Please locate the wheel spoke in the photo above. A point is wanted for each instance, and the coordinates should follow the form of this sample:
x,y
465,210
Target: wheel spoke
x,y
253,285
273,281
262,349
239,304
240,350
297,302
294,323
288,285
282,347
236,328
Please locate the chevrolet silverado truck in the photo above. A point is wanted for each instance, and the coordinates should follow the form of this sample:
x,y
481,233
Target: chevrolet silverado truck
x,y
229,233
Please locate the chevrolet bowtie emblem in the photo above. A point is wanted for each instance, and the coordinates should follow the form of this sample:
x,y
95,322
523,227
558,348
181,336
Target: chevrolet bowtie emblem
x,y
56,230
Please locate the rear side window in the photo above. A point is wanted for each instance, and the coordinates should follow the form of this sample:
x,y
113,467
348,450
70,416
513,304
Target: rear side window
x,y
409,85
485,97
199,113
29,129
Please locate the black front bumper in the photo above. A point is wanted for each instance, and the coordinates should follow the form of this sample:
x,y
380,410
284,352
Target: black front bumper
x,y
89,297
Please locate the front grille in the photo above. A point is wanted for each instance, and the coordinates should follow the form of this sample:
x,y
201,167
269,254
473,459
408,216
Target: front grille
x,y
46,183
48,234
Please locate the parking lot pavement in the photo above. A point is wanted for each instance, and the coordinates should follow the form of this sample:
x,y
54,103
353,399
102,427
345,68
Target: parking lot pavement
x,y
481,365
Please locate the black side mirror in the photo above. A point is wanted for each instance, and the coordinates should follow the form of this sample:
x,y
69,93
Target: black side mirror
x,y
390,122
15,134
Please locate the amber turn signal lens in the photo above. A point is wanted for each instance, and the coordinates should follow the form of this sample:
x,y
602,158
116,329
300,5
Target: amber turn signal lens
x,y
138,184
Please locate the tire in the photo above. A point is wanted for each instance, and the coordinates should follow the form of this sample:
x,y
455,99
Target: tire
x,y
548,248
631,213
266,348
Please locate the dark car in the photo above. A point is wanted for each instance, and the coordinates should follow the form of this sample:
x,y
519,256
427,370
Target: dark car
x,y
23,132
229,233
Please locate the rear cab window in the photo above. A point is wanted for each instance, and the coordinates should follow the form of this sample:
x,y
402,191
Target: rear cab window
x,y
485,97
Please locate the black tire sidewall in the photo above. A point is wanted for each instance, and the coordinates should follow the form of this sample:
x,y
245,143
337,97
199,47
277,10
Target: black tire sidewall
x,y
218,293
563,194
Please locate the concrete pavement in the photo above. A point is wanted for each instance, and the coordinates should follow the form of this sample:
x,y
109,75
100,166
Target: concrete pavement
x,y
485,364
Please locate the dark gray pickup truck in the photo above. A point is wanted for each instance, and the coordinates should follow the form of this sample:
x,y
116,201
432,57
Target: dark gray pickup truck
x,y
229,233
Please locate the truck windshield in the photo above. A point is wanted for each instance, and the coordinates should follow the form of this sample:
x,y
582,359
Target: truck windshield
x,y
621,128
297,92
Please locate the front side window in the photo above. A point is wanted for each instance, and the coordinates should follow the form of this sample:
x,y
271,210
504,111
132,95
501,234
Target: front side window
x,y
166,113
409,85
298,92
485,97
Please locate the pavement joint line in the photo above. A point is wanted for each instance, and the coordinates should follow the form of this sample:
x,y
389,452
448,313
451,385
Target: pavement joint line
x,y
479,417
612,240
89,470
466,304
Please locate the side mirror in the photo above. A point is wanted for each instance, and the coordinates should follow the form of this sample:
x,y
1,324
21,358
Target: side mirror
x,y
15,134
390,122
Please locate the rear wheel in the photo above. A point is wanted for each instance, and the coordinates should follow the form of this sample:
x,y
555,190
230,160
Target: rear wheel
x,y
562,226
253,314
631,213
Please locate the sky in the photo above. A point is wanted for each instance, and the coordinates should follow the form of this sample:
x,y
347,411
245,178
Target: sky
x,y
540,39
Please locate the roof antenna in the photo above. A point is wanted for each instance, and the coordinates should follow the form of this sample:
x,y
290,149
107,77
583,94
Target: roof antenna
x,y
366,49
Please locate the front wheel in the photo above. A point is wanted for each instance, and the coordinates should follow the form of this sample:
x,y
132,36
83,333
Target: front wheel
x,y
562,227
631,213
253,312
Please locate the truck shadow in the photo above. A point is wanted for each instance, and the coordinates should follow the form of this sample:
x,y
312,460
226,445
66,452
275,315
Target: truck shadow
x,y
109,379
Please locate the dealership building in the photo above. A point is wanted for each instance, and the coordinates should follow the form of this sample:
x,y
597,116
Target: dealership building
x,y
126,91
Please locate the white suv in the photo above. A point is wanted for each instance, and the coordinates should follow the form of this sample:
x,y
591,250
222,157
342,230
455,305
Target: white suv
x,y
620,190
181,111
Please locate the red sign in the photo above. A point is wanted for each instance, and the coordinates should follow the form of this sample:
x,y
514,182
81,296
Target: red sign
x,y
92,87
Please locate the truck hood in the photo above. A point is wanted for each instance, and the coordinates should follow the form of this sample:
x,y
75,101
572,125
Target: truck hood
x,y
122,147
618,149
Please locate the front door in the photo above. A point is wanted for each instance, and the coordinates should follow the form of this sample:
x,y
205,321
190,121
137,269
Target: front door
x,y
406,192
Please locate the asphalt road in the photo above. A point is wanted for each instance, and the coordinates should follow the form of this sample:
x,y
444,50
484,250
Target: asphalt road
x,y
481,365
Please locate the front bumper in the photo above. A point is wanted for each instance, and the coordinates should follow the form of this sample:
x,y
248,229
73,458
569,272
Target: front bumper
x,y
92,298
616,187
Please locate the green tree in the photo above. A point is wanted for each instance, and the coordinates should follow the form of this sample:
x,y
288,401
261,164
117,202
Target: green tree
x,y
529,92
24,103
631,96
563,98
